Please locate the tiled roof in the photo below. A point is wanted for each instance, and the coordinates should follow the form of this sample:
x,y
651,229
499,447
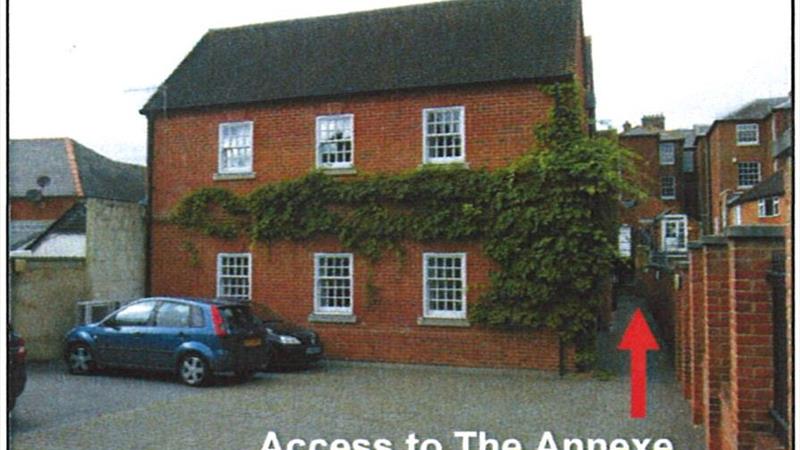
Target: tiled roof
x,y
71,222
73,170
756,109
435,44
772,186
784,144
640,131
21,232
674,135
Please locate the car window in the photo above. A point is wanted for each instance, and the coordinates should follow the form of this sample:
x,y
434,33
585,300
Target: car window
x,y
133,315
174,315
198,321
237,317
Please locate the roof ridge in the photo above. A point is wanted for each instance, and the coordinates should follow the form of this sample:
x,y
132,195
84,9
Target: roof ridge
x,y
69,147
392,9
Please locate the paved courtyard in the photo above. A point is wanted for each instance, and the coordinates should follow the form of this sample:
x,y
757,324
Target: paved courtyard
x,y
350,401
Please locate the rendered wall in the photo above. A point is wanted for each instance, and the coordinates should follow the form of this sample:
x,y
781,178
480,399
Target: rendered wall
x,y
43,297
115,249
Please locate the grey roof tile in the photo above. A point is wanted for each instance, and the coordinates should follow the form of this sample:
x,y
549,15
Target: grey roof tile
x,y
73,221
29,159
756,109
772,186
21,232
99,177
435,44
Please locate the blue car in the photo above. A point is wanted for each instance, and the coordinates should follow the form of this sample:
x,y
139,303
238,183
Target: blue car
x,y
195,338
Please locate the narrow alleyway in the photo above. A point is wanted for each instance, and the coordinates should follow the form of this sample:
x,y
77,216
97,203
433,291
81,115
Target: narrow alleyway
x,y
659,363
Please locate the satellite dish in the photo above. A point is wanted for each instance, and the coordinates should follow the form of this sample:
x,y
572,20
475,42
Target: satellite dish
x,y
34,195
43,181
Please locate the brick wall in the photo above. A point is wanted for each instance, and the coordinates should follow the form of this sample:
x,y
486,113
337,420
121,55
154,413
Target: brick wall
x,y
49,208
385,330
717,344
499,121
751,370
725,359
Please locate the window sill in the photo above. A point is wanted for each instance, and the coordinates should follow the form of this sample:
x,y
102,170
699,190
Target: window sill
x,y
234,176
336,171
442,322
332,318
748,144
444,165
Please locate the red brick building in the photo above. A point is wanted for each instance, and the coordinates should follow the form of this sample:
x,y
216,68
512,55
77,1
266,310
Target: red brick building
x,y
666,170
738,155
384,91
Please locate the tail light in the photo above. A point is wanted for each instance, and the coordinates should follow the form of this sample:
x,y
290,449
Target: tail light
x,y
21,351
216,319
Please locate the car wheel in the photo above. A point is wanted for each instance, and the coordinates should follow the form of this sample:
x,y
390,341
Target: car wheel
x,y
193,370
80,360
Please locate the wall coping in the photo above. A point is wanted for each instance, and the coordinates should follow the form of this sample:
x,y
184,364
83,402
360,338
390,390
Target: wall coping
x,y
755,231
713,240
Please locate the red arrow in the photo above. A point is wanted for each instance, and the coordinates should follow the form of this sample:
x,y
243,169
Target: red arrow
x,y
638,339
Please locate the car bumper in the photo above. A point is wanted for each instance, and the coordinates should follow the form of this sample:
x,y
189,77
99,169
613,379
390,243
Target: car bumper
x,y
240,361
17,377
288,355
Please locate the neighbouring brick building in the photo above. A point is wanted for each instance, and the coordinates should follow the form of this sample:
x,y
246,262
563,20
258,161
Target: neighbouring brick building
x,y
728,309
666,170
737,153
383,91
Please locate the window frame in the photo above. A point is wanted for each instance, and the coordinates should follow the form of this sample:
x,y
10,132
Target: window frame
x,y
462,136
318,154
752,126
436,314
673,218
739,174
219,289
662,161
333,310
674,188
775,204
220,148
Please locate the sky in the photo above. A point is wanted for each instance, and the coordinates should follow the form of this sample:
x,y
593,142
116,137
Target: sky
x,y
84,68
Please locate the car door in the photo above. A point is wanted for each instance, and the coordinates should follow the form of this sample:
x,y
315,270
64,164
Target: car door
x,y
171,328
120,340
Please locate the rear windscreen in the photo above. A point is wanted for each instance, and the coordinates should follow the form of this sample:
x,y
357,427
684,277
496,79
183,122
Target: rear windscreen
x,y
237,318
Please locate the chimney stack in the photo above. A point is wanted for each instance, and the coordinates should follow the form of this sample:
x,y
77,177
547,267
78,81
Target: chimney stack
x,y
653,122
626,126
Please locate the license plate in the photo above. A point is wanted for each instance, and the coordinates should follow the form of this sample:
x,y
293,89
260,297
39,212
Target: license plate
x,y
252,342
313,350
